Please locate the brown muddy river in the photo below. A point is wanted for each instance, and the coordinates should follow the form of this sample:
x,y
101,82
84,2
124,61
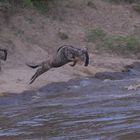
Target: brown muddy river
x,y
85,109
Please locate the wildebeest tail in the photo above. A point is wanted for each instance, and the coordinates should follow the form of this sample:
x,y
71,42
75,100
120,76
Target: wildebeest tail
x,y
33,66
87,58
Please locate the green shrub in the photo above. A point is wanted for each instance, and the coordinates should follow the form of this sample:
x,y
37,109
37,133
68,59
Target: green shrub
x,y
136,8
40,5
28,3
117,44
123,1
133,43
122,43
96,34
63,35
37,4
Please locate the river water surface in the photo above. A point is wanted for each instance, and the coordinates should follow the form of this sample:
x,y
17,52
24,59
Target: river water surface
x,y
85,109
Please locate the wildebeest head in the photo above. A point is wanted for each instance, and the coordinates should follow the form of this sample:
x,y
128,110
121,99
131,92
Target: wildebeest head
x,y
3,54
84,56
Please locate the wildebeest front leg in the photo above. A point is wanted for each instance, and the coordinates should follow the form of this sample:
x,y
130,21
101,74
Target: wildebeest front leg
x,y
74,63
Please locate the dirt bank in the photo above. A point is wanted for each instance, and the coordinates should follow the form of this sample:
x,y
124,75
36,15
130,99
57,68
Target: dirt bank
x,y
32,37
16,79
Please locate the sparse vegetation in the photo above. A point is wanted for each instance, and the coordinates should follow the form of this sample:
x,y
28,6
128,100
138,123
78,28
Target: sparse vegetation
x,y
122,44
38,4
28,3
94,35
63,36
123,1
117,44
136,8
91,4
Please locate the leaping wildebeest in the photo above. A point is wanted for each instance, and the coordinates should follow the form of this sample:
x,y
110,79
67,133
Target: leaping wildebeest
x,y
64,55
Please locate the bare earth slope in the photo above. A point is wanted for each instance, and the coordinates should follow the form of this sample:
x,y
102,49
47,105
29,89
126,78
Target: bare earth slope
x,y
32,37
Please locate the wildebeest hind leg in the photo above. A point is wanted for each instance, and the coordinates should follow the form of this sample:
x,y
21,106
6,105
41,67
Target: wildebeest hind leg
x,y
37,74
33,78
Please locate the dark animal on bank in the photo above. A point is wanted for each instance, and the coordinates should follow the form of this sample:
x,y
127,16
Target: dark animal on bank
x,y
3,54
64,55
